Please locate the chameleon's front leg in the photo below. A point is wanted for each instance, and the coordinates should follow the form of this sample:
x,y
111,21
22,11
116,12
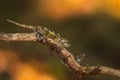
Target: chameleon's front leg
x,y
42,38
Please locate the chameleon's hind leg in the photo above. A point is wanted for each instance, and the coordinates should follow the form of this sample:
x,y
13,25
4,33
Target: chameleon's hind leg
x,y
39,35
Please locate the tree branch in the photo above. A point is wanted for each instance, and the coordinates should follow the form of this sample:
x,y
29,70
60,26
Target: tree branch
x,y
18,36
64,55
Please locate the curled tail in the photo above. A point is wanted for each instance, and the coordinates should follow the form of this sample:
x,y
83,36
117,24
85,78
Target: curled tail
x,y
21,25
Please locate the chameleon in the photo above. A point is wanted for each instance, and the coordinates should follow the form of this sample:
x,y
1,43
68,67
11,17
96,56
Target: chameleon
x,y
43,31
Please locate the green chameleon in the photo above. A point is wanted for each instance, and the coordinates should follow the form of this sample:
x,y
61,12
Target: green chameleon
x,y
43,31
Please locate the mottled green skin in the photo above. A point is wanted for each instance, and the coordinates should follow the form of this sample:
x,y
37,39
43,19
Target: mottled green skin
x,y
44,32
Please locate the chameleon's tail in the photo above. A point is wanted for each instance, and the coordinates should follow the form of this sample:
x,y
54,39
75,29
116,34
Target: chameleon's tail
x,y
21,25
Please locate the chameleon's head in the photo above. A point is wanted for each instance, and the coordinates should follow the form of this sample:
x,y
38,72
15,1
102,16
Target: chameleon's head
x,y
65,42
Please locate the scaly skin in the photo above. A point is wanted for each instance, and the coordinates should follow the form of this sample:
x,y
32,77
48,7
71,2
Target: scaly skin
x,y
43,31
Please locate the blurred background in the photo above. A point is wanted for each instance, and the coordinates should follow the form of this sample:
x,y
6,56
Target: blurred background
x,y
91,26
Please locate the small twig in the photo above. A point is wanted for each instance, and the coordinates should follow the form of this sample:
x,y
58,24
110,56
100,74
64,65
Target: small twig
x,y
18,37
